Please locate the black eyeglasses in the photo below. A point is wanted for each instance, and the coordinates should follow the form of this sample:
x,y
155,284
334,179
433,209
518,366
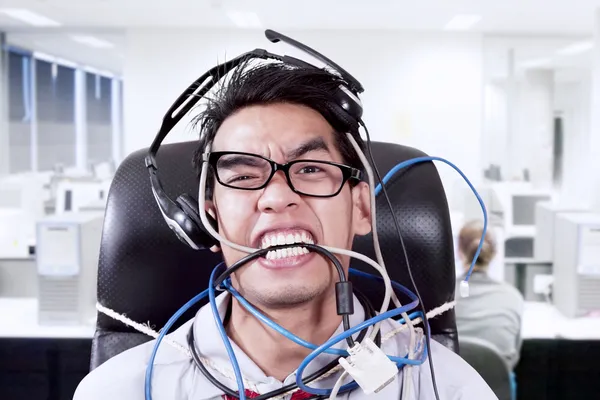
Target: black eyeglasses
x,y
248,171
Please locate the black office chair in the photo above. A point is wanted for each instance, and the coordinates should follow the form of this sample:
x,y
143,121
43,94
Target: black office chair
x,y
147,274
489,363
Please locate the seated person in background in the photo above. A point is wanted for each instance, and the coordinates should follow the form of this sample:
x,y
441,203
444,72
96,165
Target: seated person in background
x,y
493,310
277,113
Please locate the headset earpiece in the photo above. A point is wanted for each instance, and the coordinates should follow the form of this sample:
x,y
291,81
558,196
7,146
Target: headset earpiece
x,y
346,107
349,102
182,216
200,236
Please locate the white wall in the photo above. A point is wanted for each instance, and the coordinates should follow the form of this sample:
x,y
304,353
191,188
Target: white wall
x,y
534,128
423,90
519,84
572,101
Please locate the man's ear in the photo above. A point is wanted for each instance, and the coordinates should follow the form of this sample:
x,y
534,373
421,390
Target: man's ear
x,y
361,210
211,210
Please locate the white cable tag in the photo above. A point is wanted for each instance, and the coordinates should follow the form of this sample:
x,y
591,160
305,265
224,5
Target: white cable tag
x,y
464,289
369,366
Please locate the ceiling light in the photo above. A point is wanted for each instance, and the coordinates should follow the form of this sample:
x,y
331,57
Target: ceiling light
x,y
92,41
29,17
462,22
244,19
576,48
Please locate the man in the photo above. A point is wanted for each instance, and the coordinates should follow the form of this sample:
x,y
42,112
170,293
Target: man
x,y
276,113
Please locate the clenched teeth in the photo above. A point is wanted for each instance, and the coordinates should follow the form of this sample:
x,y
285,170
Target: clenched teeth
x,y
276,239
287,252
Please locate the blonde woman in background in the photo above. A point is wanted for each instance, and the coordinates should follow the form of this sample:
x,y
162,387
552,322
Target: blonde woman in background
x,y
493,310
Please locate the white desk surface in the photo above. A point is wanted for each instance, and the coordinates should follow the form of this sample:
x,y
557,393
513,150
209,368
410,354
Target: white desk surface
x,y
525,260
540,321
544,321
19,319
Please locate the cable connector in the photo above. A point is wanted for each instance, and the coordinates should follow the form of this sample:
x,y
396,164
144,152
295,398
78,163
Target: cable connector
x,y
464,289
369,366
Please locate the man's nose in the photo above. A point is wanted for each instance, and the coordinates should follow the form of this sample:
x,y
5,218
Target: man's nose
x,y
277,196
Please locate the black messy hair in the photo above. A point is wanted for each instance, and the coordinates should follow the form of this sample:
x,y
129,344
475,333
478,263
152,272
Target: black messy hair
x,y
270,83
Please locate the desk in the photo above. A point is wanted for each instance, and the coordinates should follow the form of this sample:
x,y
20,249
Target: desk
x,y
40,362
19,320
18,277
544,321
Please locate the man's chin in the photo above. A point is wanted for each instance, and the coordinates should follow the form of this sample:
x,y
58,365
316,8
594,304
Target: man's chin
x,y
283,296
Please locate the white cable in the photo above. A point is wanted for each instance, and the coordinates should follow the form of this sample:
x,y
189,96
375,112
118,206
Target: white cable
x,y
412,336
372,205
379,255
377,247
337,386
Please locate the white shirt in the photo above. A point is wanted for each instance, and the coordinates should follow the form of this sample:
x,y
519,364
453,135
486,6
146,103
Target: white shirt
x,y
175,377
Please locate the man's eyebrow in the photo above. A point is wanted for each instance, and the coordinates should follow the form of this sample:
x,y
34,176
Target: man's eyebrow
x,y
236,160
306,147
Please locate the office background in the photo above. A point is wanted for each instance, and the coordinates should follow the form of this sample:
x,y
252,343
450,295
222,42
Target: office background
x,y
509,91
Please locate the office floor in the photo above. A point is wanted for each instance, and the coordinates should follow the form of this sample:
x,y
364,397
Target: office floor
x,y
50,369
42,369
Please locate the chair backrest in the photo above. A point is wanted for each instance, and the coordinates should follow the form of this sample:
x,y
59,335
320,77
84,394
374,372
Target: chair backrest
x,y
147,274
489,363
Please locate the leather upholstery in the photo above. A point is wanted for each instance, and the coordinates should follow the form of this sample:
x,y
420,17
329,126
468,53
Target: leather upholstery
x,y
147,274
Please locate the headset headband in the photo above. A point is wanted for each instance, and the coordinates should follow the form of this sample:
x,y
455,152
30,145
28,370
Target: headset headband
x,y
182,214
194,93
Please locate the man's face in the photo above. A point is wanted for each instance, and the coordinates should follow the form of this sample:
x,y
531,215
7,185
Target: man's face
x,y
257,218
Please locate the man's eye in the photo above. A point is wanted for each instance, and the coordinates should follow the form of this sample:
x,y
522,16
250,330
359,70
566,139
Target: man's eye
x,y
240,178
310,169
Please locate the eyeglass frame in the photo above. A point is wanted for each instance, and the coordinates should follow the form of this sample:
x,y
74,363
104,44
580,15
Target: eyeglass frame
x,y
348,172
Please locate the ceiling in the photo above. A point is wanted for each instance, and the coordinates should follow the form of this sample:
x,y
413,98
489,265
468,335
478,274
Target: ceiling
x,y
109,19
506,16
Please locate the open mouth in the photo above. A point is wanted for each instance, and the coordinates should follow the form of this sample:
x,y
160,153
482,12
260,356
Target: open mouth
x,y
287,237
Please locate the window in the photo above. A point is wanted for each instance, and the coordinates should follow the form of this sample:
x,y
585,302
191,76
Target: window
x,y
19,110
45,95
55,95
98,115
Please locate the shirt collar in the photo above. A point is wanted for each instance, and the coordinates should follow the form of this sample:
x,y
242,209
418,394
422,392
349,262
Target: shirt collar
x,y
210,345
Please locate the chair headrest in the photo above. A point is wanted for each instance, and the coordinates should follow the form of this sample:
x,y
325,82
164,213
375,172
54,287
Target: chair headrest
x,y
147,274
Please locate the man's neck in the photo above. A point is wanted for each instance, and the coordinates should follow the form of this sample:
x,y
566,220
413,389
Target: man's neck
x,y
274,354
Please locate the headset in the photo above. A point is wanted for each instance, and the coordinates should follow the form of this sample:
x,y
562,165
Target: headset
x,y
182,215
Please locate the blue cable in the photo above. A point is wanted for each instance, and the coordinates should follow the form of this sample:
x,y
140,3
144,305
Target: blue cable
x,y
163,332
417,160
224,337
331,342
317,350
278,328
